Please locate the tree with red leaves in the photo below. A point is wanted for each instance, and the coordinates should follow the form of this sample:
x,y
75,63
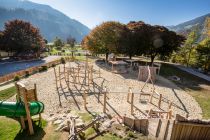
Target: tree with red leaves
x,y
20,36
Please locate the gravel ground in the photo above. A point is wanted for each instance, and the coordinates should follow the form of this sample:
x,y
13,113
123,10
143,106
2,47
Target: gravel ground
x,y
117,85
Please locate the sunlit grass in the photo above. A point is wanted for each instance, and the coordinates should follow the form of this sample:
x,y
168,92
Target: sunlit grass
x,y
7,93
192,85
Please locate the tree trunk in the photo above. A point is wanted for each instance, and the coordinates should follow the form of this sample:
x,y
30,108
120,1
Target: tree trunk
x,y
130,56
107,56
152,59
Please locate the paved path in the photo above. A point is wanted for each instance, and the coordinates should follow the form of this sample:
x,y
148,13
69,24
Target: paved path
x,y
193,72
9,67
6,86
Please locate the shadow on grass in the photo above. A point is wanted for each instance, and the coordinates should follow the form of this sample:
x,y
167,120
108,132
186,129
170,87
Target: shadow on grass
x,y
188,81
38,132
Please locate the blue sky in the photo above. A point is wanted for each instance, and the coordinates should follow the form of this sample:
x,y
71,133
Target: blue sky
x,y
162,12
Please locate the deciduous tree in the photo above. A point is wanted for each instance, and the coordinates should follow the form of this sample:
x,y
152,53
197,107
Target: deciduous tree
x,y
71,41
105,38
21,36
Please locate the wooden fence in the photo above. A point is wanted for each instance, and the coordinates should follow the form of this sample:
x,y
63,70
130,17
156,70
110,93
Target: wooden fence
x,y
30,70
141,125
166,129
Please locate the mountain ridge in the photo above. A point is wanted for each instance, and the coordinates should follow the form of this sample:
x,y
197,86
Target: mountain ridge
x,y
199,24
38,14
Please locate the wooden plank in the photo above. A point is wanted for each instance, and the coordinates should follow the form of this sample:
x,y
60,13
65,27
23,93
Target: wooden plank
x,y
152,126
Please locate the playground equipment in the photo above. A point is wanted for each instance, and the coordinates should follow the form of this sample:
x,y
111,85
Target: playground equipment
x,y
26,106
151,113
17,109
144,73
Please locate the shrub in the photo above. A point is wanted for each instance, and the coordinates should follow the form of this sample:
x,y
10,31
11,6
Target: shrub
x,y
131,134
53,65
17,78
43,68
63,61
27,74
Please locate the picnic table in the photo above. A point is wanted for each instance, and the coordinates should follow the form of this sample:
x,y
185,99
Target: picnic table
x,y
114,63
131,61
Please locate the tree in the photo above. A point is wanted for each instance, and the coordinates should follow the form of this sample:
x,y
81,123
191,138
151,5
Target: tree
x,y
138,38
1,40
185,54
203,50
21,36
153,40
71,41
105,38
164,42
58,43
192,37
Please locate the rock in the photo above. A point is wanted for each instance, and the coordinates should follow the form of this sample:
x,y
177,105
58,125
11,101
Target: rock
x,y
69,115
107,124
80,125
59,128
52,119
51,114
58,121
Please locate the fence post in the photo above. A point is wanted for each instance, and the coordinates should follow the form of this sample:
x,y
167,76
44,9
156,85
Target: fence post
x,y
160,100
84,96
132,95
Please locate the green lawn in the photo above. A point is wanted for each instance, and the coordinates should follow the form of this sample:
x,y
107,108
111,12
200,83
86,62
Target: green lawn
x,y
192,85
7,93
10,130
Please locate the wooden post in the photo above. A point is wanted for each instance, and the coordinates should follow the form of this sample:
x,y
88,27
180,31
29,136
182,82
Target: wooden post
x,y
91,75
59,69
160,100
132,96
22,122
30,125
78,69
35,93
104,105
99,72
56,81
170,105
84,97
151,96
170,114
129,93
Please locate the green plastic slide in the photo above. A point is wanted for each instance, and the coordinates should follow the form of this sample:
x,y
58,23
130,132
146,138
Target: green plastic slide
x,y
17,109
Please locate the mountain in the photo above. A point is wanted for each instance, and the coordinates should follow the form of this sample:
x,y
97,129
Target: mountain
x,y
200,24
50,21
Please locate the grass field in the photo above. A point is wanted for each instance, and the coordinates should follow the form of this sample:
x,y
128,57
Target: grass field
x,y
10,130
7,93
195,86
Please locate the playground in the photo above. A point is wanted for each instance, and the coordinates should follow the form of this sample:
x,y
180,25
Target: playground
x,y
93,87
